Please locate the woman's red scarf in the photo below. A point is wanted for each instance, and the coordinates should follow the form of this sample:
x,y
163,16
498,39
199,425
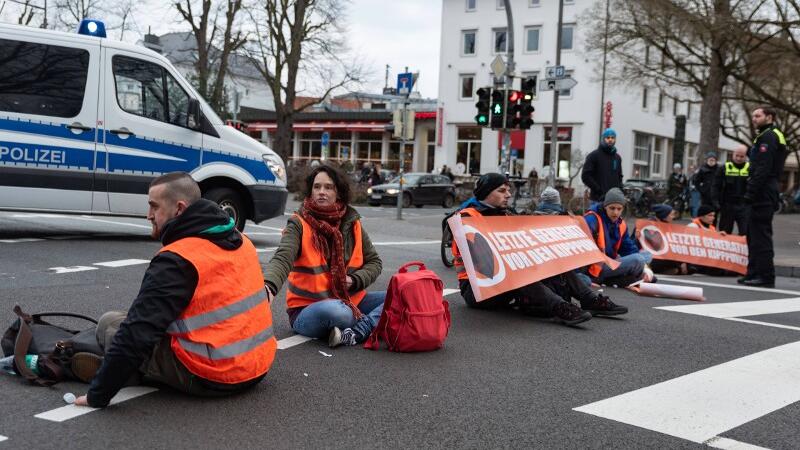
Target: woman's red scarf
x,y
327,239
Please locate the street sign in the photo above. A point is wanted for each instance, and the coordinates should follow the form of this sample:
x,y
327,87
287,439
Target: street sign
x,y
555,73
557,85
405,81
498,67
326,137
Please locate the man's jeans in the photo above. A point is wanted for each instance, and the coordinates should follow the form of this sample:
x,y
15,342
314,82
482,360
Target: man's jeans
x,y
317,319
630,265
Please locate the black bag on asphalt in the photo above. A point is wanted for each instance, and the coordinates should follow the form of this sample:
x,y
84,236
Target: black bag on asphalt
x,y
55,345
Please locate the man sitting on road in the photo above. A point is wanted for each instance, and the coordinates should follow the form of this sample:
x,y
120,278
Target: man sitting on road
x,y
610,232
492,193
201,323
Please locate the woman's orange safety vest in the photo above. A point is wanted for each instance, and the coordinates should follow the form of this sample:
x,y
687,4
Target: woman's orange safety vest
x,y
458,261
225,334
700,224
595,269
310,278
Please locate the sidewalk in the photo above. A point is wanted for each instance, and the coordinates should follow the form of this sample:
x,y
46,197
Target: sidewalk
x,y
786,237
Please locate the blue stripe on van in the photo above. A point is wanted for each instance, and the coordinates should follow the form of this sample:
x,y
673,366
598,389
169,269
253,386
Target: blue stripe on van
x,y
127,163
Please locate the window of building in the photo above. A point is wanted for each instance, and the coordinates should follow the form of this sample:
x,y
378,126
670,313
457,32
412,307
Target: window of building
x,y
566,93
674,106
501,4
42,79
368,148
466,86
468,38
647,55
644,97
155,94
534,3
567,36
468,149
688,110
689,158
659,149
500,41
535,76
393,163
642,147
532,35
569,2
564,154
660,105
431,135
471,5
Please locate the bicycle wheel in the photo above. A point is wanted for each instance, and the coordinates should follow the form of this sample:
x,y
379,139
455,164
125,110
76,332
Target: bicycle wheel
x,y
447,247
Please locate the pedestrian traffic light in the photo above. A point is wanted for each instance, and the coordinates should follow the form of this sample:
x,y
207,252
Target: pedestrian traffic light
x,y
497,109
484,106
525,108
512,109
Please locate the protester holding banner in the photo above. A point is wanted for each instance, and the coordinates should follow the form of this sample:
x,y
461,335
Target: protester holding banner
x,y
551,295
706,216
329,262
610,233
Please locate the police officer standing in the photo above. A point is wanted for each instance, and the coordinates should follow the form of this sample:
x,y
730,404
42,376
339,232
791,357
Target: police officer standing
x,y
767,156
730,184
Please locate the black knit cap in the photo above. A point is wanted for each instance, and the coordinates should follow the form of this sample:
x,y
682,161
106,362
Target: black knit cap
x,y
487,183
704,209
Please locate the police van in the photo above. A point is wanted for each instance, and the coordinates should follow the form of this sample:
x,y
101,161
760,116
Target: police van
x,y
87,122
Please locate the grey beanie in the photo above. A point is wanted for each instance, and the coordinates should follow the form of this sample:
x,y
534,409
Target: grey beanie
x,y
614,195
551,196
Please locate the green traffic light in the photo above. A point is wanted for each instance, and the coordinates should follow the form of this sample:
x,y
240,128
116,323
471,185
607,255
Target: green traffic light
x,y
481,119
498,109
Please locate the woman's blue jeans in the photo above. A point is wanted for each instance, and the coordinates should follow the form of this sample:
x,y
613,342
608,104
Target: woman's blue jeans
x,y
317,319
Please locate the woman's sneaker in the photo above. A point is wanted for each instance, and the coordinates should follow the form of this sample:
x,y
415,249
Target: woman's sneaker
x,y
569,314
601,305
339,337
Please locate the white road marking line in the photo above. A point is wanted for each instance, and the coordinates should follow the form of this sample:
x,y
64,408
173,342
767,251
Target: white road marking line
x,y
71,269
729,286
122,263
91,219
71,411
20,240
3,438
767,324
704,404
738,309
731,444
450,291
291,341
407,243
36,216
264,227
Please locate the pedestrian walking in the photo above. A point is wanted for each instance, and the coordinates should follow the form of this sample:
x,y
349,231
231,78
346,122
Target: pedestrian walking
x,y
447,172
704,178
767,156
677,182
376,177
533,181
602,169
730,185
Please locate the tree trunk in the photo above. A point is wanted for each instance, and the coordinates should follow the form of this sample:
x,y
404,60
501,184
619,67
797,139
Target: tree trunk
x,y
282,141
711,108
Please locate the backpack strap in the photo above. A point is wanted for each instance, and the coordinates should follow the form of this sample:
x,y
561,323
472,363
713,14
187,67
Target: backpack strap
x,y
21,346
37,317
373,341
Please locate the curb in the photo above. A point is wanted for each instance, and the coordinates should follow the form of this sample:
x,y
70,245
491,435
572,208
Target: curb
x,y
787,271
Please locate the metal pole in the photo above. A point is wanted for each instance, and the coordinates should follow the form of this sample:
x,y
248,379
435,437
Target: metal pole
x,y
554,128
506,166
402,151
605,62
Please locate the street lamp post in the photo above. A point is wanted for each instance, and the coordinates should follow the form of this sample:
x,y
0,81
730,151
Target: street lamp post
x,y
509,81
554,128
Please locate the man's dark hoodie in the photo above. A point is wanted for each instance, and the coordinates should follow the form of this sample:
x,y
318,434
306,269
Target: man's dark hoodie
x,y
704,183
166,290
602,171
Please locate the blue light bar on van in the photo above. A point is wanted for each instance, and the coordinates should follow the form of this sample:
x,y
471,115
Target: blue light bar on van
x,y
92,27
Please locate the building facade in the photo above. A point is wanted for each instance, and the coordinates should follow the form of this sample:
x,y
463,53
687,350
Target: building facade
x,y
474,32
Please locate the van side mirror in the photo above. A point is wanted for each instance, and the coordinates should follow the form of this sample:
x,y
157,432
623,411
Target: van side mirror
x,y
195,122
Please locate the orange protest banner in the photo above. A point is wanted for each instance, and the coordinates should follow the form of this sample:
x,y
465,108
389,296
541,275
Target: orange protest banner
x,y
502,253
693,245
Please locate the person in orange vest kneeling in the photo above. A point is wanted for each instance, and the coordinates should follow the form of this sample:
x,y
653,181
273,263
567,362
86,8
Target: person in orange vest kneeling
x,y
201,323
609,230
706,216
329,261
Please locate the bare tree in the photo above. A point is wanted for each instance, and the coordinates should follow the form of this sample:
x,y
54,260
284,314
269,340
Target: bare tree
x,y
69,13
299,47
576,161
217,39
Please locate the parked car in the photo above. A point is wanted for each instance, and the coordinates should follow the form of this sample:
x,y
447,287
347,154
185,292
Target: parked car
x,y
418,189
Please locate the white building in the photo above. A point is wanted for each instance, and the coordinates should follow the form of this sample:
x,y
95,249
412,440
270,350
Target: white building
x,y
474,32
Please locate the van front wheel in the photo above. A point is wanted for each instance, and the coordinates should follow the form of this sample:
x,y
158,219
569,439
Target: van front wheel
x,y
231,202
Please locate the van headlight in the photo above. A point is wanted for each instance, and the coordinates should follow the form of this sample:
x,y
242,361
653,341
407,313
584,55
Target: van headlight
x,y
392,191
275,165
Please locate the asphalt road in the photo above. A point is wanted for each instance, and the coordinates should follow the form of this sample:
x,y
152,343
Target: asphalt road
x,y
654,378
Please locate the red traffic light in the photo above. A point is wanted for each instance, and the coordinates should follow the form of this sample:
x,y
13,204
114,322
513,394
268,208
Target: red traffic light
x,y
513,96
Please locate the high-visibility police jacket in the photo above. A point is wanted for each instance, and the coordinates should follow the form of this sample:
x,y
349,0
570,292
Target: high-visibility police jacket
x,y
731,184
458,261
767,157
600,238
700,224
225,335
310,279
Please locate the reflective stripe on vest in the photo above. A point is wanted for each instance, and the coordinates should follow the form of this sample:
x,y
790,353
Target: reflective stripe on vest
x,y
781,137
732,171
309,280
700,224
458,261
595,269
225,333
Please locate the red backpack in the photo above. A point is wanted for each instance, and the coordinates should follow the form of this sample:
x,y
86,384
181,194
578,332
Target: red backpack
x,y
415,316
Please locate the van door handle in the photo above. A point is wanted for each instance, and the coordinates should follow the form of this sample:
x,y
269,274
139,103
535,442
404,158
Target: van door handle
x,y
123,132
78,127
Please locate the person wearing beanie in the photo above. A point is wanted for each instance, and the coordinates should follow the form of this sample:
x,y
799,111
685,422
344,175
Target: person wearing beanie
x,y
549,203
706,215
538,296
602,169
609,231
663,213
704,179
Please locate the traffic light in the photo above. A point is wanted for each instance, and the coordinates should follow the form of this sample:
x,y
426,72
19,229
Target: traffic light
x,y
483,105
497,109
525,120
512,109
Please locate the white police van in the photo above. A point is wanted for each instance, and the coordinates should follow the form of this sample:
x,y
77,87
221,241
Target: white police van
x,y
87,122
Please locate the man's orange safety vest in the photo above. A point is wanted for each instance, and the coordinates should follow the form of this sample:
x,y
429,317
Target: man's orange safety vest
x,y
458,261
310,279
225,335
700,224
595,269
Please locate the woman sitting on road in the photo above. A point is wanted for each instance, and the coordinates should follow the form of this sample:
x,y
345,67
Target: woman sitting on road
x,y
329,261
